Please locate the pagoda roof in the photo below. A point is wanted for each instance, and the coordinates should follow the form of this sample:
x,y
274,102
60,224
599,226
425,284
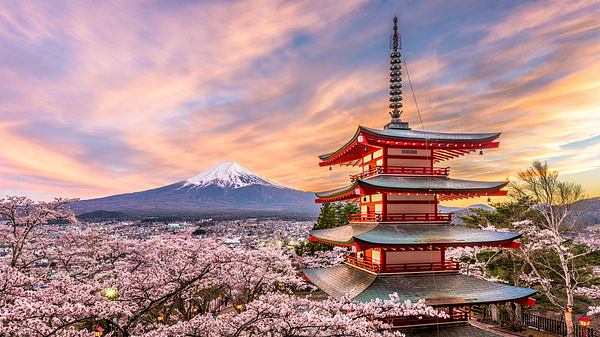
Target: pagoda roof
x,y
411,234
430,139
439,289
394,183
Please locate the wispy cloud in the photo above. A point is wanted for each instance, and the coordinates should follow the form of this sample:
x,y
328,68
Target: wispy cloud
x,y
118,96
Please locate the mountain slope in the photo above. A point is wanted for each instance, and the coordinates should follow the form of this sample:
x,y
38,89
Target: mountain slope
x,y
226,187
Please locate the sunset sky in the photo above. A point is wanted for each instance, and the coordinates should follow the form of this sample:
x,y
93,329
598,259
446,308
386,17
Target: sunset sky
x,y
99,98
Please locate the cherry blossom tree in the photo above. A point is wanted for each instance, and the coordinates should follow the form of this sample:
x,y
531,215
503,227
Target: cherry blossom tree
x,y
550,254
284,315
24,220
324,258
166,285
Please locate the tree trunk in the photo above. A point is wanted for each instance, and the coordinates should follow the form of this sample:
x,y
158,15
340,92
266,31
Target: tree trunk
x,y
516,322
568,312
494,313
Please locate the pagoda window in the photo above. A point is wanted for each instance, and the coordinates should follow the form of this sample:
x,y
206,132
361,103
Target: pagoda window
x,y
376,197
376,257
378,208
364,209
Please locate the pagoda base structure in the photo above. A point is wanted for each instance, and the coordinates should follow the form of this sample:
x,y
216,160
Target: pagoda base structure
x,y
447,291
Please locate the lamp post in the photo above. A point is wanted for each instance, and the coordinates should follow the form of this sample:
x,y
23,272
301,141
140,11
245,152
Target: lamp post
x,y
585,323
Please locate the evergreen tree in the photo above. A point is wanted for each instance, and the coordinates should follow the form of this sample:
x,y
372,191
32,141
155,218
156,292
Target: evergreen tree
x,y
327,217
332,215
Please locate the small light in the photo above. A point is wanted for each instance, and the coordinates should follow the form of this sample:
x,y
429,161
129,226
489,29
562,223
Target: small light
x,y
99,331
161,317
194,309
111,293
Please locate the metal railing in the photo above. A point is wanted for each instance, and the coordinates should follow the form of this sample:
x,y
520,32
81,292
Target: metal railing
x,y
368,264
399,217
536,322
455,315
405,170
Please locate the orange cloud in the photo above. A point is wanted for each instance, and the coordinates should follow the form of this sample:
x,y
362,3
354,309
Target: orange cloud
x,y
124,97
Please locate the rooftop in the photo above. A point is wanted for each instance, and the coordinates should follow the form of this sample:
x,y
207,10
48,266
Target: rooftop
x,y
394,183
436,289
429,137
412,235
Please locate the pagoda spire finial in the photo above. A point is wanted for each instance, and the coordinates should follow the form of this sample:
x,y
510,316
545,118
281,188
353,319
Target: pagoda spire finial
x,y
396,82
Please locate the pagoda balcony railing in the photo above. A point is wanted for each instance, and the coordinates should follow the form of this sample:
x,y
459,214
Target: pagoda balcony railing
x,y
455,315
399,217
368,264
405,170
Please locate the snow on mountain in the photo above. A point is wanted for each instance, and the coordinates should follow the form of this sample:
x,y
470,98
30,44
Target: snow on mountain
x,y
227,175
225,188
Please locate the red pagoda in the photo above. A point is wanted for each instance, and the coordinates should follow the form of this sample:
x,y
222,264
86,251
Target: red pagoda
x,y
399,238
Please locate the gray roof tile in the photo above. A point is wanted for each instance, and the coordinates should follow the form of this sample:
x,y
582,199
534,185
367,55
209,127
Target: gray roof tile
x,y
436,289
412,234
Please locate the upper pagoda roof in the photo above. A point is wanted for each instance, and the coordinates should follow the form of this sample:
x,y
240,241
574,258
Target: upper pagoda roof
x,y
412,235
402,135
393,183
436,289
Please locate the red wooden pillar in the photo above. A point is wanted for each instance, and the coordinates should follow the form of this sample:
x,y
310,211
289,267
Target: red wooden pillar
x,y
384,207
385,158
382,252
443,257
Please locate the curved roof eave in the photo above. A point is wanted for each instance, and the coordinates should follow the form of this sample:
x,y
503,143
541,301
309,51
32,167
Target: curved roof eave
x,y
331,154
409,134
410,235
337,191
437,290
430,136
425,183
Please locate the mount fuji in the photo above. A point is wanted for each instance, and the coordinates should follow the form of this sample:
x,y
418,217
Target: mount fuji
x,y
226,188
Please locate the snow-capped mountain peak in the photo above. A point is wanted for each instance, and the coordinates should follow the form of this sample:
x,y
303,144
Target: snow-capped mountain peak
x,y
227,175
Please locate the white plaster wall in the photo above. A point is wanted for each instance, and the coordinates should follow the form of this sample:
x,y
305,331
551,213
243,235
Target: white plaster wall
x,y
413,257
410,208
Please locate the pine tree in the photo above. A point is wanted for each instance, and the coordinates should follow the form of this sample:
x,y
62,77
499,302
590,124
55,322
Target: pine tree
x,y
327,217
